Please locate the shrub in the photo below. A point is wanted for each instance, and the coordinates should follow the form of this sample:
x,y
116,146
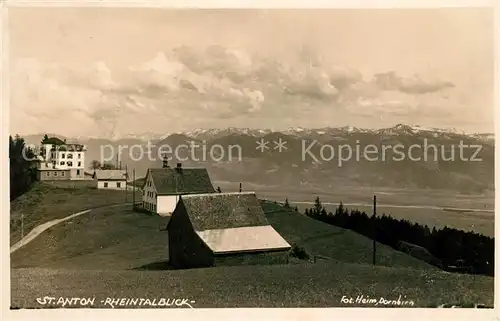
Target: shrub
x,y
299,252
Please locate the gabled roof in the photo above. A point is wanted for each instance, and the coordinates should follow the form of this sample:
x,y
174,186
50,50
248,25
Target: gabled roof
x,y
181,180
223,210
110,174
243,239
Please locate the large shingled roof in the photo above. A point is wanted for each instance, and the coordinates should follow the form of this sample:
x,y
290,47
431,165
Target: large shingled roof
x,y
181,180
223,210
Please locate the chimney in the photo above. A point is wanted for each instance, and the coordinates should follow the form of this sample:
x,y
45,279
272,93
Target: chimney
x,y
165,162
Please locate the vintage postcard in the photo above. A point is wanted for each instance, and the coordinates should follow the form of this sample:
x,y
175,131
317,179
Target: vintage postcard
x,y
187,158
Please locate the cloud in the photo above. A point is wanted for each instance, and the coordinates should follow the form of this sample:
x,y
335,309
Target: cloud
x,y
185,86
414,85
61,98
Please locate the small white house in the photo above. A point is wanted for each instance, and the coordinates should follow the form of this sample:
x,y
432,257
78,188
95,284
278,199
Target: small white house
x,y
163,186
111,178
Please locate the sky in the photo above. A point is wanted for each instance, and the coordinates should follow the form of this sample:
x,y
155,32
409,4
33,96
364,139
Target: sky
x,y
111,72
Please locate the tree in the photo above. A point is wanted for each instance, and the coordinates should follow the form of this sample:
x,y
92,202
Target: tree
x,y
45,138
317,206
95,164
219,190
108,165
340,209
287,205
306,212
22,169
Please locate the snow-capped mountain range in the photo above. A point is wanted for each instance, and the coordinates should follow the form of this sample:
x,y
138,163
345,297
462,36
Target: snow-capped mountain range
x,y
400,129
213,133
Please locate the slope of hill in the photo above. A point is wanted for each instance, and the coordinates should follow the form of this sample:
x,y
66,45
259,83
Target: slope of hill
x,y
47,201
123,239
105,253
332,242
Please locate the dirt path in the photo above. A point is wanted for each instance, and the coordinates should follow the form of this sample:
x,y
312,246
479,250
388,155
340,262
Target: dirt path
x,y
43,227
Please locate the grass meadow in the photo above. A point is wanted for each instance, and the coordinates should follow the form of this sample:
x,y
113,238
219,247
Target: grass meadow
x,y
121,253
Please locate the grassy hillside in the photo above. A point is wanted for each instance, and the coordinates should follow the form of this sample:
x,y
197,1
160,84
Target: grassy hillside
x,y
108,238
48,201
333,242
122,239
320,284
105,253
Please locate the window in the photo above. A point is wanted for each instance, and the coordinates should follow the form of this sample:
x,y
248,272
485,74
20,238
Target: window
x,y
79,164
79,155
154,207
63,155
77,172
105,184
70,156
55,173
61,163
48,173
62,173
118,184
70,163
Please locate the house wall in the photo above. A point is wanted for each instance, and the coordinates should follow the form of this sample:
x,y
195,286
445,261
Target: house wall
x,y
149,195
77,173
111,184
53,175
166,204
261,258
74,161
185,248
69,160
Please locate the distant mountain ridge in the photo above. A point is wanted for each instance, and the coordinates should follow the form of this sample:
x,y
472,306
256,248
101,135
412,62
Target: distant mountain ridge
x,y
212,133
290,168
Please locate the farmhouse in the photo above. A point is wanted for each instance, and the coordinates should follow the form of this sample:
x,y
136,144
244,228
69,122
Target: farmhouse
x,y
111,178
217,229
163,186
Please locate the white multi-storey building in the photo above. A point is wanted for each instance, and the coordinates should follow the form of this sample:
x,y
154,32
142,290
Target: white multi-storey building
x,y
59,161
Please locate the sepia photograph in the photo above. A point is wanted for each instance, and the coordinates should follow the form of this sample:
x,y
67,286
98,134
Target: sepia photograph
x,y
166,158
